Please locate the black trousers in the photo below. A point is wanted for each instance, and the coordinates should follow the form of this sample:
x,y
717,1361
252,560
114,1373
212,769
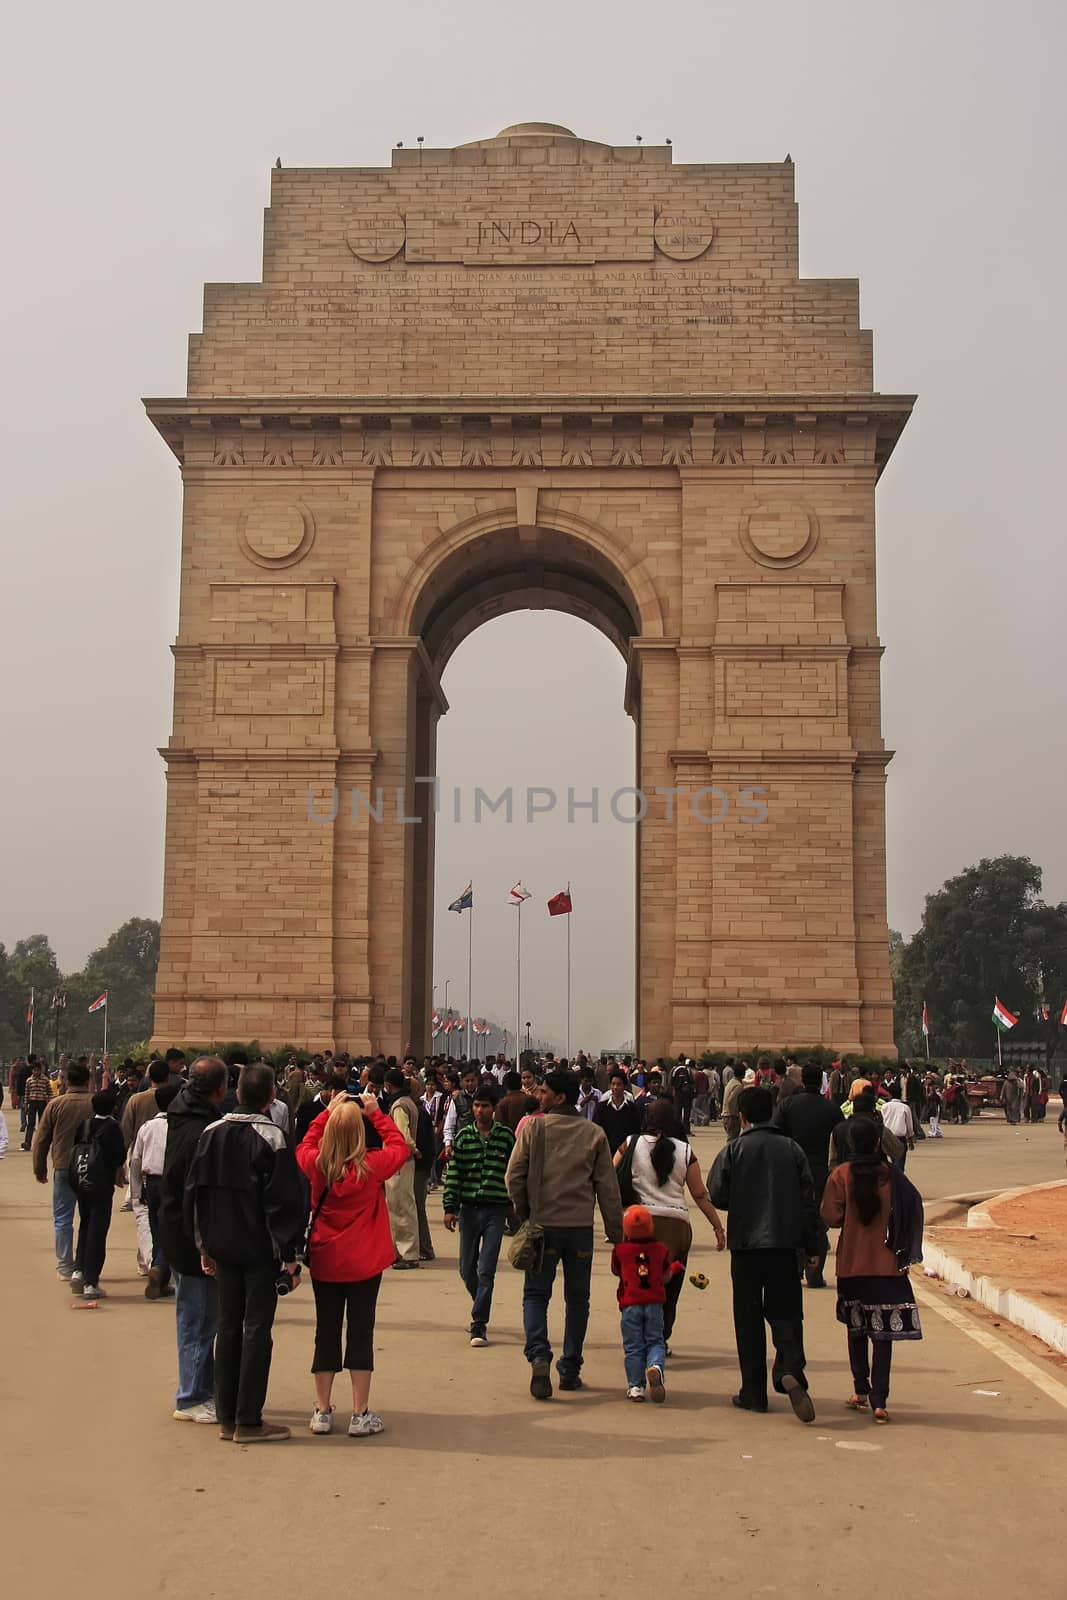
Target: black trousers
x,y
94,1220
243,1343
333,1302
767,1289
152,1194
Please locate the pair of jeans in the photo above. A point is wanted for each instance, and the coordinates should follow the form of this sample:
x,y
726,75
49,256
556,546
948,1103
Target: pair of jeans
x,y
94,1220
243,1343
766,1287
870,1369
196,1314
643,1343
571,1248
64,1204
481,1231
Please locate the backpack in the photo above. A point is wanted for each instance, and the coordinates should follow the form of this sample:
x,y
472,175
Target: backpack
x,y
89,1172
682,1080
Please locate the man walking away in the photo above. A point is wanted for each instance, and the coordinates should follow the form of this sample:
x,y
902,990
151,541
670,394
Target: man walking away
x,y
476,1196
809,1120
575,1170
897,1117
146,1178
246,1203
56,1130
763,1180
97,1157
194,1108
731,1118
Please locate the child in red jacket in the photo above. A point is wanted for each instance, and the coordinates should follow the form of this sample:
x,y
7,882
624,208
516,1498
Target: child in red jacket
x,y
643,1267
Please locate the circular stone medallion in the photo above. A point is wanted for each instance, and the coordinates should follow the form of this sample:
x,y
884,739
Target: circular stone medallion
x,y
276,535
779,536
683,238
378,237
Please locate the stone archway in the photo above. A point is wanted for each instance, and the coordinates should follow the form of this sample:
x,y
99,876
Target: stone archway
x,y
533,370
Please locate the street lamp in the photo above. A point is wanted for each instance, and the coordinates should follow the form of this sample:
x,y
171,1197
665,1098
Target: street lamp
x,y
527,1037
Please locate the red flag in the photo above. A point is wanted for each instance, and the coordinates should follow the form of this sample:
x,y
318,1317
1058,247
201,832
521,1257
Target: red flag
x,y
560,904
926,1022
99,1003
1063,1015
29,1010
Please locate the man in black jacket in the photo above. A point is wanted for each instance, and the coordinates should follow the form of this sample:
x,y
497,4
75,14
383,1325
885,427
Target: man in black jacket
x,y
619,1115
809,1120
762,1179
246,1201
195,1106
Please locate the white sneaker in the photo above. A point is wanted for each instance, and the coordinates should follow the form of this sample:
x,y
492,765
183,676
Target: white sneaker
x,y
478,1341
364,1423
322,1421
204,1413
93,1291
635,1392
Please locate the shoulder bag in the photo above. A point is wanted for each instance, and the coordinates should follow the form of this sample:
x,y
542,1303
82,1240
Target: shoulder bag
x,y
526,1252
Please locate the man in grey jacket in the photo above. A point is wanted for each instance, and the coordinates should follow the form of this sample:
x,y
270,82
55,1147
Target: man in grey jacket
x,y
572,1156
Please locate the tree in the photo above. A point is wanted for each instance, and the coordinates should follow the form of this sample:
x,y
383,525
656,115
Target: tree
x,y
977,941
126,967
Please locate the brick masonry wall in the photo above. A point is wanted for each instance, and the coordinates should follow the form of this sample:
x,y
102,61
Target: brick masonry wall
x,y
533,370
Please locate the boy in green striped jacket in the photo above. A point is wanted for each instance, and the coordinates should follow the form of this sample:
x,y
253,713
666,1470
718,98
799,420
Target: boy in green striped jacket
x,y
476,1197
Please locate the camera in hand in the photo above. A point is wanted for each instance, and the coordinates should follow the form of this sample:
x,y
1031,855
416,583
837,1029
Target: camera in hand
x,y
286,1282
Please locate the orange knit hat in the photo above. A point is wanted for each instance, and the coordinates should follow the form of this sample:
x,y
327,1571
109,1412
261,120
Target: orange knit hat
x,y
637,1222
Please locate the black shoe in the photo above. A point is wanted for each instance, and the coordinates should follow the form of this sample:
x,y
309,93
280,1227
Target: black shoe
x,y
427,1255
747,1405
799,1398
541,1380
815,1281
571,1383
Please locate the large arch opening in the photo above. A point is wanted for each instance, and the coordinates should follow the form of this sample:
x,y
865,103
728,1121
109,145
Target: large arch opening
x,y
538,703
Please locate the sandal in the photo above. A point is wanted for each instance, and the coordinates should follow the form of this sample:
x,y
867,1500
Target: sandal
x,y
857,1402
881,1415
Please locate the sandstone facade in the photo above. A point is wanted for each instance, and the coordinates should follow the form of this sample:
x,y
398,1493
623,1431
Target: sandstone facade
x,y
536,371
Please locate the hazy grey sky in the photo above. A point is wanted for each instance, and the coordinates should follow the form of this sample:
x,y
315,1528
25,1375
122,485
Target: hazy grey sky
x,y
929,141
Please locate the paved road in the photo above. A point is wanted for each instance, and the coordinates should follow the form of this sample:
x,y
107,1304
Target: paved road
x,y
476,1489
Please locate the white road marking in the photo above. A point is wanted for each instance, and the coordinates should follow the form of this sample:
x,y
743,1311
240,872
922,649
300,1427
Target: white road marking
x,y
988,1341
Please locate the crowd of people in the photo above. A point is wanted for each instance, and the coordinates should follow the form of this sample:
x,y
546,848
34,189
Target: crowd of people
x,y
243,1178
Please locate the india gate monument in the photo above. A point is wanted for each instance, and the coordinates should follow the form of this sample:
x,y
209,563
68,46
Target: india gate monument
x,y
533,371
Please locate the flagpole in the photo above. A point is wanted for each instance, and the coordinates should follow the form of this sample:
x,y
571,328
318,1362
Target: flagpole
x,y
32,1008
569,914
105,1022
518,978
470,949
1000,1058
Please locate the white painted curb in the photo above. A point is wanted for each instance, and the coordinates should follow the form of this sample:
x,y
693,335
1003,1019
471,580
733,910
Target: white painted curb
x,y
1006,1303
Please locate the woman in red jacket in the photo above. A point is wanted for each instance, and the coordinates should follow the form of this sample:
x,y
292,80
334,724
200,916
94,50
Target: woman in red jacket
x,y
350,1245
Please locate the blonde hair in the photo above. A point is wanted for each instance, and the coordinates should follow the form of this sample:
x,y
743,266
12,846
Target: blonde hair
x,y
344,1140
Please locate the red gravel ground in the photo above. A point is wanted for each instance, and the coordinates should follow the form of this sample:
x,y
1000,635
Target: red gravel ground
x,y
1027,1250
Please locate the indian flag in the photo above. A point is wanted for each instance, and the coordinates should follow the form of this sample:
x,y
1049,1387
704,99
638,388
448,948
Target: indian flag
x,y
1002,1017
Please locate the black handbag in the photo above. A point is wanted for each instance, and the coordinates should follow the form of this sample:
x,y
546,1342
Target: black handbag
x,y
625,1173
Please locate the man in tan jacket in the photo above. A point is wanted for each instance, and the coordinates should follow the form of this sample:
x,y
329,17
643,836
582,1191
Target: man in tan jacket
x,y
560,1167
400,1189
56,1131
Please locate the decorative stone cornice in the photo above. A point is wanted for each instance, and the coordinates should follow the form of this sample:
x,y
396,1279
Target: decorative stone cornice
x,y
694,434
